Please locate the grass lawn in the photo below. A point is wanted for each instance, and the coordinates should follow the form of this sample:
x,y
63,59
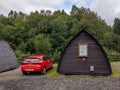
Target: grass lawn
x,y
114,65
52,72
115,69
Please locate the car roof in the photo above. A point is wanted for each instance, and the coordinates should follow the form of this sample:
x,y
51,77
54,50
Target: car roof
x,y
36,56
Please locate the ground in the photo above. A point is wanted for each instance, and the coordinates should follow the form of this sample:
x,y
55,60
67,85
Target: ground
x,y
115,69
14,80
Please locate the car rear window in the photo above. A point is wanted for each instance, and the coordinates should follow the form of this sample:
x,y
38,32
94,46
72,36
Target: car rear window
x,y
32,59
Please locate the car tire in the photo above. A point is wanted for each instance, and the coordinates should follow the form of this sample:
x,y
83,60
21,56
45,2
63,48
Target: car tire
x,y
24,73
51,66
44,71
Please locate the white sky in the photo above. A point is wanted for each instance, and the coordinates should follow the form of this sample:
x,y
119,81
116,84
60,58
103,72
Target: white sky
x,y
107,9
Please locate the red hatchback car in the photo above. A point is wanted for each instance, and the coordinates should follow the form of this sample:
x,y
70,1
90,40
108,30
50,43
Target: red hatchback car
x,y
36,63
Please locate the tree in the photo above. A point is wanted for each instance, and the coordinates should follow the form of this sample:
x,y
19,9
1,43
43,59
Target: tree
x,y
42,44
11,14
47,33
74,10
116,26
59,28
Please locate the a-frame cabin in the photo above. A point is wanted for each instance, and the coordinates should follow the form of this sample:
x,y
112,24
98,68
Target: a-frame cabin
x,y
8,59
84,55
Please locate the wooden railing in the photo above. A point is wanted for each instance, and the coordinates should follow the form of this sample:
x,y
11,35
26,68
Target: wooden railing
x,y
114,57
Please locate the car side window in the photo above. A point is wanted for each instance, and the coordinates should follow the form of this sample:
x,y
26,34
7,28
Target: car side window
x,y
46,58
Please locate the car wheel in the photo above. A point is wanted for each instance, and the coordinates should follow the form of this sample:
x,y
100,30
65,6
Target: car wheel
x,y
24,73
51,66
44,71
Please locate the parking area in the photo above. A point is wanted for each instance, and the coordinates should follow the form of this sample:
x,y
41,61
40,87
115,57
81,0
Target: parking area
x,y
16,73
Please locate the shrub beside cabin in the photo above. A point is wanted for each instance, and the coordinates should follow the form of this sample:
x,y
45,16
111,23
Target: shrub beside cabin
x,y
8,59
84,55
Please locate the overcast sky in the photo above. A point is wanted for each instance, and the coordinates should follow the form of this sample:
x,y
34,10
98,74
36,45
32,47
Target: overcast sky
x,y
107,9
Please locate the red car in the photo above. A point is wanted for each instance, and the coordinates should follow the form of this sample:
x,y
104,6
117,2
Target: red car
x,y
36,63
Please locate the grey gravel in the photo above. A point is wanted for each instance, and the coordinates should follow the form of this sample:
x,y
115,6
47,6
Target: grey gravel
x,y
14,80
37,82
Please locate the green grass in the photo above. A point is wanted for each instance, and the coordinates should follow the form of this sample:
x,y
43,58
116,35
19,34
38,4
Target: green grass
x,y
114,65
115,69
52,72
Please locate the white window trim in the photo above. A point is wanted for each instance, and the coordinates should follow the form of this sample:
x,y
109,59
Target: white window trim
x,y
86,54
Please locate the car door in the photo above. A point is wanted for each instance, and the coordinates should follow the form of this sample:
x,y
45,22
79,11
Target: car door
x,y
50,62
46,62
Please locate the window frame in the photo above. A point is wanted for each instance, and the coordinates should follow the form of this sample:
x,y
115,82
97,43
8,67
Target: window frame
x,y
86,54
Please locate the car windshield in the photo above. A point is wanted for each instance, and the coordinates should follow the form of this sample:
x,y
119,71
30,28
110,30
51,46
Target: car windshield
x,y
32,59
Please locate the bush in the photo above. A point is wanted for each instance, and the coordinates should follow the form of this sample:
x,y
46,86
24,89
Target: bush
x,y
20,55
56,55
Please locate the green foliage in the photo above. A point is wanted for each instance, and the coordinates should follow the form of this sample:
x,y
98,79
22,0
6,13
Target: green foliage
x,y
20,55
42,44
45,32
116,26
56,55
112,54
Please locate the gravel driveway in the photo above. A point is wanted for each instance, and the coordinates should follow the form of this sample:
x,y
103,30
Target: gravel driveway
x,y
14,80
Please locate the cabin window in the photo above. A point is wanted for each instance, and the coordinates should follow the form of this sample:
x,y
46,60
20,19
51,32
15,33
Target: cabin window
x,y
83,50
